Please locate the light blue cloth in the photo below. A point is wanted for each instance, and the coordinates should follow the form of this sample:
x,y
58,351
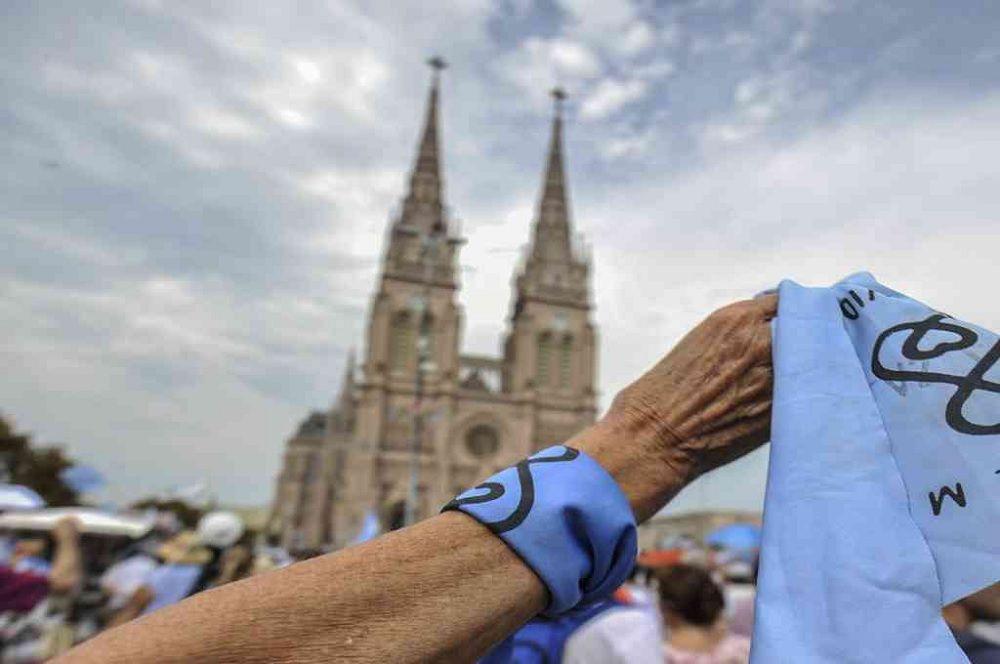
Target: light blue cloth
x,y
33,564
861,545
370,528
566,517
170,584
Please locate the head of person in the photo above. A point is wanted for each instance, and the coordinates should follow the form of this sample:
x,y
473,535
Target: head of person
x,y
983,605
689,596
220,530
32,545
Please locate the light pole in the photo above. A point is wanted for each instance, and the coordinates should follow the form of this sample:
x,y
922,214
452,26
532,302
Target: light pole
x,y
428,255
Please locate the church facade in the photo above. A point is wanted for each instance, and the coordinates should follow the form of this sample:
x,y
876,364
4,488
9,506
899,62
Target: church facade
x,y
417,420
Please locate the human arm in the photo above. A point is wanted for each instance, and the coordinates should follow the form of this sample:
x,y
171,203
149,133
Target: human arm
x,y
235,562
67,563
447,589
133,607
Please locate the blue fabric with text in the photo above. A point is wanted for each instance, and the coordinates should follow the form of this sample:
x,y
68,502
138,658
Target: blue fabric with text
x,y
566,517
883,493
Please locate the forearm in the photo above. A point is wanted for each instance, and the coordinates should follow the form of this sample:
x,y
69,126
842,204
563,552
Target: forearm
x,y
447,589
67,565
443,590
133,608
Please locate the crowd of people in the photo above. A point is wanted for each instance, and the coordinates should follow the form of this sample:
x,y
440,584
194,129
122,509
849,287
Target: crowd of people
x,y
539,578
698,611
61,586
694,610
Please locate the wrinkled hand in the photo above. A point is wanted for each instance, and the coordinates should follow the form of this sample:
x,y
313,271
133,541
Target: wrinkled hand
x,y
706,403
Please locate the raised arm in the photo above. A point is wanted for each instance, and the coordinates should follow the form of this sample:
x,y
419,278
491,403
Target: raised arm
x,y
67,565
447,589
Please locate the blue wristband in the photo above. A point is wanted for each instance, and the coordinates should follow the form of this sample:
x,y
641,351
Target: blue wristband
x,y
566,517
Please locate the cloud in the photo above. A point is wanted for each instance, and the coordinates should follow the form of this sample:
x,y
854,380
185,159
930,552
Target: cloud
x,y
611,96
911,195
593,17
638,37
537,65
195,197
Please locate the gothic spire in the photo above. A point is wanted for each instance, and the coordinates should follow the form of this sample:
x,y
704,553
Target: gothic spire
x,y
423,206
551,239
345,401
348,382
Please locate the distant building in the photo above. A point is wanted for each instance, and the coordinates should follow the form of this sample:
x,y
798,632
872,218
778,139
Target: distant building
x,y
478,413
662,531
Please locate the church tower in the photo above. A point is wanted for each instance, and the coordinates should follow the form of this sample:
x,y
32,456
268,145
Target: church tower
x,y
550,352
410,364
418,280
418,421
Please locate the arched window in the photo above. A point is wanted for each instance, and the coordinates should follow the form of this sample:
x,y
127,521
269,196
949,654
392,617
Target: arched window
x,y
401,341
482,441
544,373
565,361
426,335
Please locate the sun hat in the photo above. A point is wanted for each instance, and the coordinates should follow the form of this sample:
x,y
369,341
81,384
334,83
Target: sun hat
x,y
220,529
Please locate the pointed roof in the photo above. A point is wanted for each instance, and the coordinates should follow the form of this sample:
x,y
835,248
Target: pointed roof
x,y
345,400
424,205
551,238
348,380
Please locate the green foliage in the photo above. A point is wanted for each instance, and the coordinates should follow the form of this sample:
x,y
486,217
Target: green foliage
x,y
35,467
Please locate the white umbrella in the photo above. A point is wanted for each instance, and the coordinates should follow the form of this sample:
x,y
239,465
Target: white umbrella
x,y
90,520
18,497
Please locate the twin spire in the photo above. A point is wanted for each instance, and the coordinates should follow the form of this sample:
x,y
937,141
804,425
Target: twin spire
x,y
423,206
550,240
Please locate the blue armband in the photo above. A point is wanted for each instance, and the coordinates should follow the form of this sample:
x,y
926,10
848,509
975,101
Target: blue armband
x,y
566,517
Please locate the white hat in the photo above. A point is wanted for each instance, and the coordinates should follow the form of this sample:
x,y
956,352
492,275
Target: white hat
x,y
220,529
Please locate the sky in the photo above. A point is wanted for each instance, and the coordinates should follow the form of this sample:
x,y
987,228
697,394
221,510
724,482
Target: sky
x,y
194,195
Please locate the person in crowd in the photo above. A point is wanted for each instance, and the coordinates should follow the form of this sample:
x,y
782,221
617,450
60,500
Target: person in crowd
x,y
189,563
448,588
740,592
37,588
618,630
122,579
30,575
181,562
697,633
235,563
979,645
271,555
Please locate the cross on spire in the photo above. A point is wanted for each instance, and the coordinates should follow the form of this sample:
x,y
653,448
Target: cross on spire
x,y
438,64
559,96
552,226
423,206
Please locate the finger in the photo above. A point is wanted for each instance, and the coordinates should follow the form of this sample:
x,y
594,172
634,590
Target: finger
x,y
767,304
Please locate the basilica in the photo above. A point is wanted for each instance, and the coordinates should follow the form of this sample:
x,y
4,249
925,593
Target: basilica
x,y
417,420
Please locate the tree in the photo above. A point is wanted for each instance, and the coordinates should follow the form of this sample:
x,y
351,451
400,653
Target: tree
x,y
36,468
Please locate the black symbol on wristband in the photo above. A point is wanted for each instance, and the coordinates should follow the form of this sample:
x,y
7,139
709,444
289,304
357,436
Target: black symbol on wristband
x,y
966,386
495,490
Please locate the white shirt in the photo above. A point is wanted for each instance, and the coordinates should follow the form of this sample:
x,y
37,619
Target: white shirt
x,y
629,635
123,578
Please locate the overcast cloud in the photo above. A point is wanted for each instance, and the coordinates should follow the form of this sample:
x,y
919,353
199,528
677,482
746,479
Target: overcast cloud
x,y
194,194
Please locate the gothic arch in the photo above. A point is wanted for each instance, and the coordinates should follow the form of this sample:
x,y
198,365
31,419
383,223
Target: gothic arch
x,y
402,340
543,370
566,361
